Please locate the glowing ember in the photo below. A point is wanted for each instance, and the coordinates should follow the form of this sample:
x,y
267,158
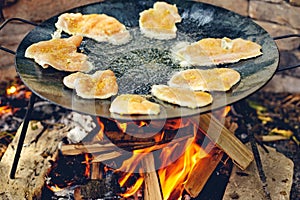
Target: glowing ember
x,y
27,94
6,110
11,90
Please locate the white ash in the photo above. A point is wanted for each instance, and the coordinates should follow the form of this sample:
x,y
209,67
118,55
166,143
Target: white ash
x,y
80,126
65,194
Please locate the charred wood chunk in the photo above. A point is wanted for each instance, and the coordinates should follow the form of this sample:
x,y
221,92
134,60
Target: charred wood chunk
x,y
104,188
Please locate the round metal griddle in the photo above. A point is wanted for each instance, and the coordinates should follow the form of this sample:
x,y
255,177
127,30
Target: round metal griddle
x,y
144,62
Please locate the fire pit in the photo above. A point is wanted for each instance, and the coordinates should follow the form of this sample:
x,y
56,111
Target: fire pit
x,y
143,136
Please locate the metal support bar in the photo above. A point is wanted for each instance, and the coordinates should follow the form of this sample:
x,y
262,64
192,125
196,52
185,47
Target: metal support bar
x,y
22,135
17,19
285,37
3,4
1,11
6,22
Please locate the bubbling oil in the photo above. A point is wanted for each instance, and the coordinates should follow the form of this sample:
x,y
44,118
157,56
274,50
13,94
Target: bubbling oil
x,y
140,63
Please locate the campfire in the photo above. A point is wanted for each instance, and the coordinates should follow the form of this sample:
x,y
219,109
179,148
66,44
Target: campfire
x,y
174,159
151,159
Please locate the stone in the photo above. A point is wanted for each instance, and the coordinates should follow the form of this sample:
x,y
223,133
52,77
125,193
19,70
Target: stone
x,y
283,13
7,73
10,37
246,185
38,11
290,58
279,30
273,1
283,83
238,6
295,2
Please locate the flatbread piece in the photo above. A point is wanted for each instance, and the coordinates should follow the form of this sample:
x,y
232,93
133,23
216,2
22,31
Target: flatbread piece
x,y
181,96
130,104
159,22
60,54
100,27
215,51
100,85
217,79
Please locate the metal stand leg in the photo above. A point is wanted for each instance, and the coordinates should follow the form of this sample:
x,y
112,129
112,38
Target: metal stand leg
x,y
22,135
1,11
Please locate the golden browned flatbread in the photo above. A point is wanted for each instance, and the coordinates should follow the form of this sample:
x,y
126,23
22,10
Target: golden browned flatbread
x,y
100,85
60,54
100,27
215,51
181,96
69,81
159,22
130,104
217,79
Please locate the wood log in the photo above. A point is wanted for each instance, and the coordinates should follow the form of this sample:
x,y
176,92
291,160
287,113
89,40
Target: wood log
x,y
76,149
96,173
241,155
152,189
41,147
202,170
138,141
106,156
96,189
109,150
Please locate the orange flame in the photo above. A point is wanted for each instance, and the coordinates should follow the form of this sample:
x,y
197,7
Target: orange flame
x,y
55,188
87,160
27,94
19,91
122,127
142,123
6,109
100,135
226,111
178,159
132,190
130,165
173,177
159,137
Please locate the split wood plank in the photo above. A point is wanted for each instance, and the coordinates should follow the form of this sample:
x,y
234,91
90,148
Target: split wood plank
x,y
202,170
152,187
241,155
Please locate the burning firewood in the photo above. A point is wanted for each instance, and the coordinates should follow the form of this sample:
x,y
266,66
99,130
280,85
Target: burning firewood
x,y
225,140
152,187
202,170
